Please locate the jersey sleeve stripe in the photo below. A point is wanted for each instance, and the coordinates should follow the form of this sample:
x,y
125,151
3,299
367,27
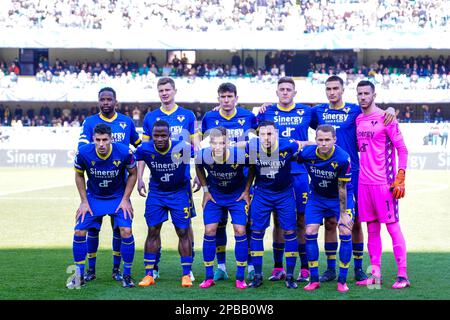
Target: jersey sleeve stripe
x,y
344,179
83,141
78,170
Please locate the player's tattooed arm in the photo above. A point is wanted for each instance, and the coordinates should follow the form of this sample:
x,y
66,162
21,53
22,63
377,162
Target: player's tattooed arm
x,y
125,204
389,115
345,220
84,207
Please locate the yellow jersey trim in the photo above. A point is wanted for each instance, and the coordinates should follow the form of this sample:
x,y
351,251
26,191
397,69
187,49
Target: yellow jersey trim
x,y
325,157
338,108
114,117
170,111
291,107
165,152
228,117
107,155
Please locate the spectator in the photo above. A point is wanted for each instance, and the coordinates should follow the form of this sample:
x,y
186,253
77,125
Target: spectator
x,y
426,114
438,117
137,116
408,115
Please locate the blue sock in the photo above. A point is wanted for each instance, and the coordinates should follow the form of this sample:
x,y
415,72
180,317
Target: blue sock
x,y
221,243
291,252
116,245
358,252
149,263
79,251
312,252
158,258
240,252
345,255
257,251
330,252
186,264
92,247
127,252
278,252
303,257
209,252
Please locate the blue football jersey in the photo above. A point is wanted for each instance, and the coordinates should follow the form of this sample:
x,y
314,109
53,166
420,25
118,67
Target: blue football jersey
x,y
107,176
227,177
122,128
325,172
181,122
170,169
237,125
292,123
344,121
273,172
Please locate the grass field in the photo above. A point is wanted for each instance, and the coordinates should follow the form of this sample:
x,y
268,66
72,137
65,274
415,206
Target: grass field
x,y
37,209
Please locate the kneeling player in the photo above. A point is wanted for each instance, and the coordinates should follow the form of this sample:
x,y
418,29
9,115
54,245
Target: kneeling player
x,y
169,185
108,192
328,166
225,189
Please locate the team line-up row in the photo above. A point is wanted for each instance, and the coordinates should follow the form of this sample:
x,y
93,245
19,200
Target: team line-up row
x,y
348,175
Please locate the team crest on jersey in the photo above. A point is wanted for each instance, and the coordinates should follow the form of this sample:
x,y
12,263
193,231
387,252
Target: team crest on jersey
x,y
117,163
334,164
300,112
234,166
123,125
276,113
177,156
283,154
217,122
93,163
153,157
241,121
313,161
346,109
374,122
180,118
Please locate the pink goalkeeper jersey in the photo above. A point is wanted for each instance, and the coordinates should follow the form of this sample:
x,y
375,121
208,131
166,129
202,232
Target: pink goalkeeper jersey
x,y
377,144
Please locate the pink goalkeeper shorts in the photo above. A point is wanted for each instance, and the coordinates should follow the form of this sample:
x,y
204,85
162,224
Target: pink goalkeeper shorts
x,y
376,203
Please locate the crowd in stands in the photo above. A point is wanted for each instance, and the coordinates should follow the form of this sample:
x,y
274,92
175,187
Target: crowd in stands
x,y
419,72
308,16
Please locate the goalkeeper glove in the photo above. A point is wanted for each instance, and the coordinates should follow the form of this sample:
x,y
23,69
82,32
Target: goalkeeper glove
x,y
398,186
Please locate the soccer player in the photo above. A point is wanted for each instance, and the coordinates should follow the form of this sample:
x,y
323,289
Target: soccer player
x,y
273,191
329,168
238,122
182,127
226,189
111,171
122,131
292,120
169,163
342,116
380,186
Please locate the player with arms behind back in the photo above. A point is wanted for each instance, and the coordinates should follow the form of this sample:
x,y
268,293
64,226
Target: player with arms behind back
x,y
111,171
380,186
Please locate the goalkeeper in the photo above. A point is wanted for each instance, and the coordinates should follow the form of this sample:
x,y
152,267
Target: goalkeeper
x,y
380,186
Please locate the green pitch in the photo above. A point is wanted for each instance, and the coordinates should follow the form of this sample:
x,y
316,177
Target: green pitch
x,y
37,214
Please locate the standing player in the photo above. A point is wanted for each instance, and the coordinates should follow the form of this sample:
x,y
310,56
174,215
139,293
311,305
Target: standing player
x,y
292,120
380,186
169,163
226,189
107,165
273,191
182,127
122,131
342,116
329,168
238,123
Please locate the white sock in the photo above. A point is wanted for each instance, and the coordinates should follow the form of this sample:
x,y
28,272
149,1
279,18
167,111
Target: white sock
x,y
222,267
250,268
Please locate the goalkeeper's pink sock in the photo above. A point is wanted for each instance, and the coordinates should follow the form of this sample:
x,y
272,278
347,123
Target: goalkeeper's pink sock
x,y
374,246
399,247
